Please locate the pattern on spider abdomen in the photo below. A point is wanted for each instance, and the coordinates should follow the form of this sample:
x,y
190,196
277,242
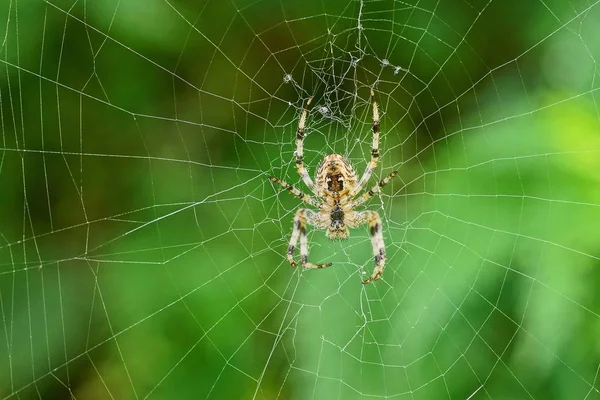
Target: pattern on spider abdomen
x,y
337,227
335,186
337,216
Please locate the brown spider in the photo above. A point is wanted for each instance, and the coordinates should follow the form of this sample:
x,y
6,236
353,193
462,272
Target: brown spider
x,y
336,185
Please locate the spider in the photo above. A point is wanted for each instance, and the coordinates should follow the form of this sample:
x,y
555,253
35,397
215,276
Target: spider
x,y
336,184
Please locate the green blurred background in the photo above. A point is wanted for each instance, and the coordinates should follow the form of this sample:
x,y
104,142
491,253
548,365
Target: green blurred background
x,y
142,249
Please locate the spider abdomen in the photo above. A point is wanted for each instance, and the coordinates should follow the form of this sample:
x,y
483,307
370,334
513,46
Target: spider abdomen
x,y
337,217
337,227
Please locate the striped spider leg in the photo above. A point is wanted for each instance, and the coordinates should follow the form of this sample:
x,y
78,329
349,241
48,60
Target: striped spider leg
x,y
374,149
371,192
356,218
301,195
301,219
300,149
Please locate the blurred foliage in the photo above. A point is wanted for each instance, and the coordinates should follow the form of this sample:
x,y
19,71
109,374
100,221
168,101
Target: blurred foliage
x,y
142,248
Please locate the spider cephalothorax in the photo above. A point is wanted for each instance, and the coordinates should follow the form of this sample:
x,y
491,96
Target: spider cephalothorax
x,y
336,176
336,185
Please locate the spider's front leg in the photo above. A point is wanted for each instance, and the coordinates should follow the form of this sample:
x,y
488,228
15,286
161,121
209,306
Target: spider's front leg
x,y
374,149
374,221
301,219
300,149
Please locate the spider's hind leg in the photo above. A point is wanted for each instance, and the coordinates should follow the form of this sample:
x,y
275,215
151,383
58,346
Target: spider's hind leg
x,y
301,219
304,252
375,228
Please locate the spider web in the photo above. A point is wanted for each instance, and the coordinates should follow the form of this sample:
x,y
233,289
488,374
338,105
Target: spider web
x,y
142,247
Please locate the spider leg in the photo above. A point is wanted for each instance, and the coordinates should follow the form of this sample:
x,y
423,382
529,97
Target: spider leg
x,y
302,196
374,149
374,221
302,217
304,251
372,192
300,149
